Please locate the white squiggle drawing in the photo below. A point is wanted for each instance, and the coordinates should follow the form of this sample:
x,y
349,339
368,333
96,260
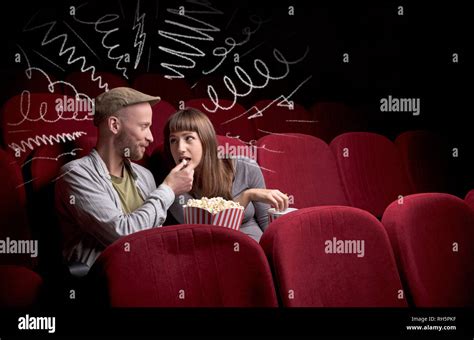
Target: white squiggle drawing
x,y
25,106
17,131
140,37
44,140
50,61
25,183
71,153
244,77
180,39
62,175
51,84
252,143
222,51
261,167
71,50
108,18
279,134
279,100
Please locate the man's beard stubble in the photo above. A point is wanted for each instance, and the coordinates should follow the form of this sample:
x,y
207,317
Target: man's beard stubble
x,y
127,148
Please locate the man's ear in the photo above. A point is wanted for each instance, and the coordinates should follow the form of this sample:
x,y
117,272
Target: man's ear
x,y
114,124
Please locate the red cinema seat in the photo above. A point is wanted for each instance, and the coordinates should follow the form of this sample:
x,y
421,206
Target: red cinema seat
x,y
332,256
174,91
30,120
13,214
334,119
45,162
469,199
428,159
84,145
432,235
232,122
234,147
302,166
92,84
371,170
281,117
19,287
185,266
161,112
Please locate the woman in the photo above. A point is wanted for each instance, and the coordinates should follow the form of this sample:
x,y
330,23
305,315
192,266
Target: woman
x,y
190,136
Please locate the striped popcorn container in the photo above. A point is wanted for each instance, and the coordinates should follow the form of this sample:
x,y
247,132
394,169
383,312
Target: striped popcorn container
x,y
273,214
229,218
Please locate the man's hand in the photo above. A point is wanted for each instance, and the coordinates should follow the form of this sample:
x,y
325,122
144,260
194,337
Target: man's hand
x,y
180,178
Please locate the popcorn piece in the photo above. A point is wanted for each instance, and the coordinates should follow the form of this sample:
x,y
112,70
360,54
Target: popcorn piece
x,y
214,204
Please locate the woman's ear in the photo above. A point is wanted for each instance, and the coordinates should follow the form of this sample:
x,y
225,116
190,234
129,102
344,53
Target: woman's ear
x,y
113,124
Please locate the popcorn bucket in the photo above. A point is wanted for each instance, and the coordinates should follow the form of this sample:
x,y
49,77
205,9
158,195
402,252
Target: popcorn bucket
x,y
229,218
273,214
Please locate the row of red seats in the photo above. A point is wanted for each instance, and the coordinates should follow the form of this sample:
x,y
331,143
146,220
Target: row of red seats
x,y
419,255
16,198
30,115
363,170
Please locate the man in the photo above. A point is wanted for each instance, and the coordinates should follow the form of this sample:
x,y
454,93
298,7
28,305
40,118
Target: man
x,y
103,196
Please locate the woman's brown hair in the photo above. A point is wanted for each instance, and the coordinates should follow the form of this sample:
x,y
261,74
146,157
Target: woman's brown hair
x,y
213,177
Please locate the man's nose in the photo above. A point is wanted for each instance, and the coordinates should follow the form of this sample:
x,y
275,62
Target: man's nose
x,y
149,137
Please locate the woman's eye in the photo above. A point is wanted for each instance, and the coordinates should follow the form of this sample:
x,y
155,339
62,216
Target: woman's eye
x,y
172,141
189,138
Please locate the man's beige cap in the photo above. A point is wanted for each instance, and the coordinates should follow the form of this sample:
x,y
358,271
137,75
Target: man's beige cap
x,y
108,103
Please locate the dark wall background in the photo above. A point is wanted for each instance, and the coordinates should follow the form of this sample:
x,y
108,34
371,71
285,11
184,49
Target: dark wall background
x,y
403,56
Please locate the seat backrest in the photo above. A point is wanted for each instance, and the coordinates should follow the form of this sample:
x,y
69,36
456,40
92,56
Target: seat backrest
x,y
161,112
469,199
334,118
371,170
302,166
174,91
332,256
186,266
20,287
281,117
30,120
13,214
430,162
232,121
432,235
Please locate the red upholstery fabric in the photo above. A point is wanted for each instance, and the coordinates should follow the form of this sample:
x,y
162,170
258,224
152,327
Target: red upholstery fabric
x,y
233,122
423,232
19,287
161,112
83,83
371,170
334,119
174,91
84,144
302,166
46,161
31,120
186,266
13,216
307,274
470,198
428,161
233,147
282,119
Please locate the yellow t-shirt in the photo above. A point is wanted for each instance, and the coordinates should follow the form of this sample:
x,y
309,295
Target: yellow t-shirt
x,y
127,191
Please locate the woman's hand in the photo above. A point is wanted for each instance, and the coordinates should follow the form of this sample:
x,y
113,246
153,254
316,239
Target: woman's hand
x,y
275,198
